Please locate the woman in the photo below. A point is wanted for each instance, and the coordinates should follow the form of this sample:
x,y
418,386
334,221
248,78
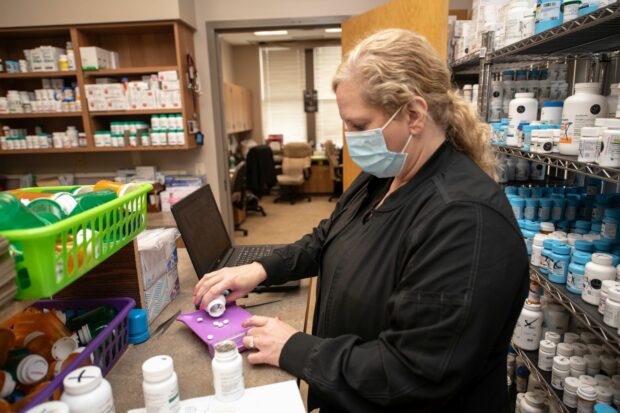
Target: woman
x,y
422,268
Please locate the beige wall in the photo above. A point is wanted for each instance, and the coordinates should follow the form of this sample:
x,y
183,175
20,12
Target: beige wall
x,y
226,51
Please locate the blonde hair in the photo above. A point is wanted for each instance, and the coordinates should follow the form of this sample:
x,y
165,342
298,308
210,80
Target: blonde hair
x,y
398,65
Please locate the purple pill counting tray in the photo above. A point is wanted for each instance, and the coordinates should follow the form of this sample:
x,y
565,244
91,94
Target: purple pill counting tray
x,y
202,324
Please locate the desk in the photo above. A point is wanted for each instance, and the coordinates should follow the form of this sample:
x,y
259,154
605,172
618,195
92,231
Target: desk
x,y
320,181
191,359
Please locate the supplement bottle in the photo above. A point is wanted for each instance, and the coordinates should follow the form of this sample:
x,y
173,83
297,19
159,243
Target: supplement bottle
x,y
86,391
546,353
533,402
612,306
537,249
597,271
561,370
552,113
160,385
610,152
593,364
580,110
605,287
571,384
590,144
528,331
577,366
612,100
228,371
523,108
586,398
561,261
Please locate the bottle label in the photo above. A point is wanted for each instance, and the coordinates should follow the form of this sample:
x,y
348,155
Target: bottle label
x,y
592,288
545,361
169,402
575,281
557,380
228,383
609,231
556,213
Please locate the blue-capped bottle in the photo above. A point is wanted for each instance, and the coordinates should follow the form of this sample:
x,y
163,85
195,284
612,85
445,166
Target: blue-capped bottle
x,y
609,228
531,209
546,260
557,211
561,259
571,208
544,209
518,206
576,271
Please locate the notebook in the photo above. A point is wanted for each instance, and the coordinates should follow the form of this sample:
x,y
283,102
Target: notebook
x,y
208,244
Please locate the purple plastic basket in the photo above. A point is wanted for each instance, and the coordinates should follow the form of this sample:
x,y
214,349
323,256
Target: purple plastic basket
x,y
106,348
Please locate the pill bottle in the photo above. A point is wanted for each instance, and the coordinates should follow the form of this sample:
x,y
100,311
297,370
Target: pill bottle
x,y
533,402
546,255
556,318
608,364
523,108
571,338
580,349
551,112
546,353
570,9
545,141
553,337
7,384
597,271
531,209
576,270
227,372
28,369
160,385
593,364
561,370
518,206
604,394
590,144
86,391
528,331
580,110
610,152
577,366
605,287
537,249
548,15
50,407
557,211
544,210
612,304
564,349
612,100
546,228
595,349
569,398
586,398
561,260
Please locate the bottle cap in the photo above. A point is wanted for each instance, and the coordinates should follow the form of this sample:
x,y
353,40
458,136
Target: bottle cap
x,y
571,337
577,363
561,362
9,385
588,380
579,349
138,326
604,394
157,368
82,380
586,391
592,361
603,380
50,407
571,384
553,337
602,259
547,346
32,336
63,347
535,399
595,349
565,349
32,369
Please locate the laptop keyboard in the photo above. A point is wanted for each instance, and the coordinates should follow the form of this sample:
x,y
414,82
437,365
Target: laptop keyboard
x,y
250,254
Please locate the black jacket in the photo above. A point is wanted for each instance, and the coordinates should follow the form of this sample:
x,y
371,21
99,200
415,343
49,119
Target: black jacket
x,y
261,171
417,299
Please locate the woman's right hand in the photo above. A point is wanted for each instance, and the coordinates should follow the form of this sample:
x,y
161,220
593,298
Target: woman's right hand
x,y
239,280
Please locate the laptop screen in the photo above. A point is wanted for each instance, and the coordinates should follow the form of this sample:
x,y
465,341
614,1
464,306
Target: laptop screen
x,y
202,229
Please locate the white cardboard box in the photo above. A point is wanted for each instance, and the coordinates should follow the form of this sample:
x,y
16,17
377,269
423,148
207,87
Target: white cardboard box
x,y
173,195
94,58
167,75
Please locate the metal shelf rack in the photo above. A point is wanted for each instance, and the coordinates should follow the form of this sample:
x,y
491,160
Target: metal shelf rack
x,y
583,311
467,65
530,358
567,163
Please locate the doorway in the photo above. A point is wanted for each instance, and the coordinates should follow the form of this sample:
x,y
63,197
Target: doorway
x,y
236,31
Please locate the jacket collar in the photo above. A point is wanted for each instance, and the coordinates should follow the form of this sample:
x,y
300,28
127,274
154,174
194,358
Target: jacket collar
x,y
435,164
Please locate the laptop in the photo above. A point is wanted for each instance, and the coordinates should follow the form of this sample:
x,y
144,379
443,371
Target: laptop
x,y
208,244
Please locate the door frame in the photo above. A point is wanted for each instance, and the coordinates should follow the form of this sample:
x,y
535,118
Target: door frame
x,y
216,77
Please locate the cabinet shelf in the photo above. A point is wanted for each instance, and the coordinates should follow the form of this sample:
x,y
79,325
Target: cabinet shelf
x,y
466,63
565,162
41,115
38,75
127,71
531,361
584,312
136,112
96,149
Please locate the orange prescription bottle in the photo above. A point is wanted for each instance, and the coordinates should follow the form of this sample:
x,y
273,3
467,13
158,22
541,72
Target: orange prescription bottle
x,y
21,403
120,188
7,341
5,407
39,343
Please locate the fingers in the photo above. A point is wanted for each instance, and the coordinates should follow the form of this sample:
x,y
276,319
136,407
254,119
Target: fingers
x,y
213,292
204,280
206,283
256,321
236,295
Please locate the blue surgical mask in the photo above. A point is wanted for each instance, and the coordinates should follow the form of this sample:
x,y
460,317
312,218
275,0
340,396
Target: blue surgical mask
x,y
370,152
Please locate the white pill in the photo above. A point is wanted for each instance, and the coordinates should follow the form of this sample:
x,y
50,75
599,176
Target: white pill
x,y
210,337
215,323
226,321
200,319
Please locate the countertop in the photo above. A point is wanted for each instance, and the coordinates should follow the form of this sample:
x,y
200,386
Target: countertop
x,y
191,360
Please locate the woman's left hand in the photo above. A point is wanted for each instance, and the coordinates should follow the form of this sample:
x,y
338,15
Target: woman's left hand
x,y
267,336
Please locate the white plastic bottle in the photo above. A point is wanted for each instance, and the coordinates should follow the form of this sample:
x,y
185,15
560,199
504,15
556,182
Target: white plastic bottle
x,y
50,407
597,271
227,372
612,100
610,150
86,391
160,386
580,110
590,144
514,17
528,331
561,370
522,108
533,402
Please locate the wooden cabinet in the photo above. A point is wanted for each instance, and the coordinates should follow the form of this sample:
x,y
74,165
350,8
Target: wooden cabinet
x,y
143,49
237,108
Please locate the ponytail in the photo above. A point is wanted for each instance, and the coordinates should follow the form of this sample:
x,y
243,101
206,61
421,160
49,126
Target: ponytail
x,y
469,134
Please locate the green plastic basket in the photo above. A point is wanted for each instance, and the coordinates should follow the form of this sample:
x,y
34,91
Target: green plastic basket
x,y
49,258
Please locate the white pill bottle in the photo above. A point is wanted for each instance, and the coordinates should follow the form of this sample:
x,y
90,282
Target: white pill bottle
x,y
160,386
86,391
227,367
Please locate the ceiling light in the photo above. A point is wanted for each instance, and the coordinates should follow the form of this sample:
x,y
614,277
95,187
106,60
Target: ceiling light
x,y
271,33
333,30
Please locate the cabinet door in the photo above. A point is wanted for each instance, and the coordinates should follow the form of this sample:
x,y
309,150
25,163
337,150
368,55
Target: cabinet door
x,y
247,104
228,107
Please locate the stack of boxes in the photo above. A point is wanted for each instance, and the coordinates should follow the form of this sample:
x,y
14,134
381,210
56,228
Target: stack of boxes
x,y
44,58
154,91
96,58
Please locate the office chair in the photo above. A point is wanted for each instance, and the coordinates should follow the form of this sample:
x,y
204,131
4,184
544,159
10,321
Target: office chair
x,y
296,163
261,176
237,184
335,168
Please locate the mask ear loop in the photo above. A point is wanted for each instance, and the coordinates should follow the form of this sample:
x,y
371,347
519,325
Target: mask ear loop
x,y
391,118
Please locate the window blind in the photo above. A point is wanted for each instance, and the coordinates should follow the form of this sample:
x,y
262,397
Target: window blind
x,y
328,122
283,82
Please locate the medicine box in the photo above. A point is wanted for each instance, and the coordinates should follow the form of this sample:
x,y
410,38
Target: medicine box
x,y
94,58
167,75
173,195
158,258
170,85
